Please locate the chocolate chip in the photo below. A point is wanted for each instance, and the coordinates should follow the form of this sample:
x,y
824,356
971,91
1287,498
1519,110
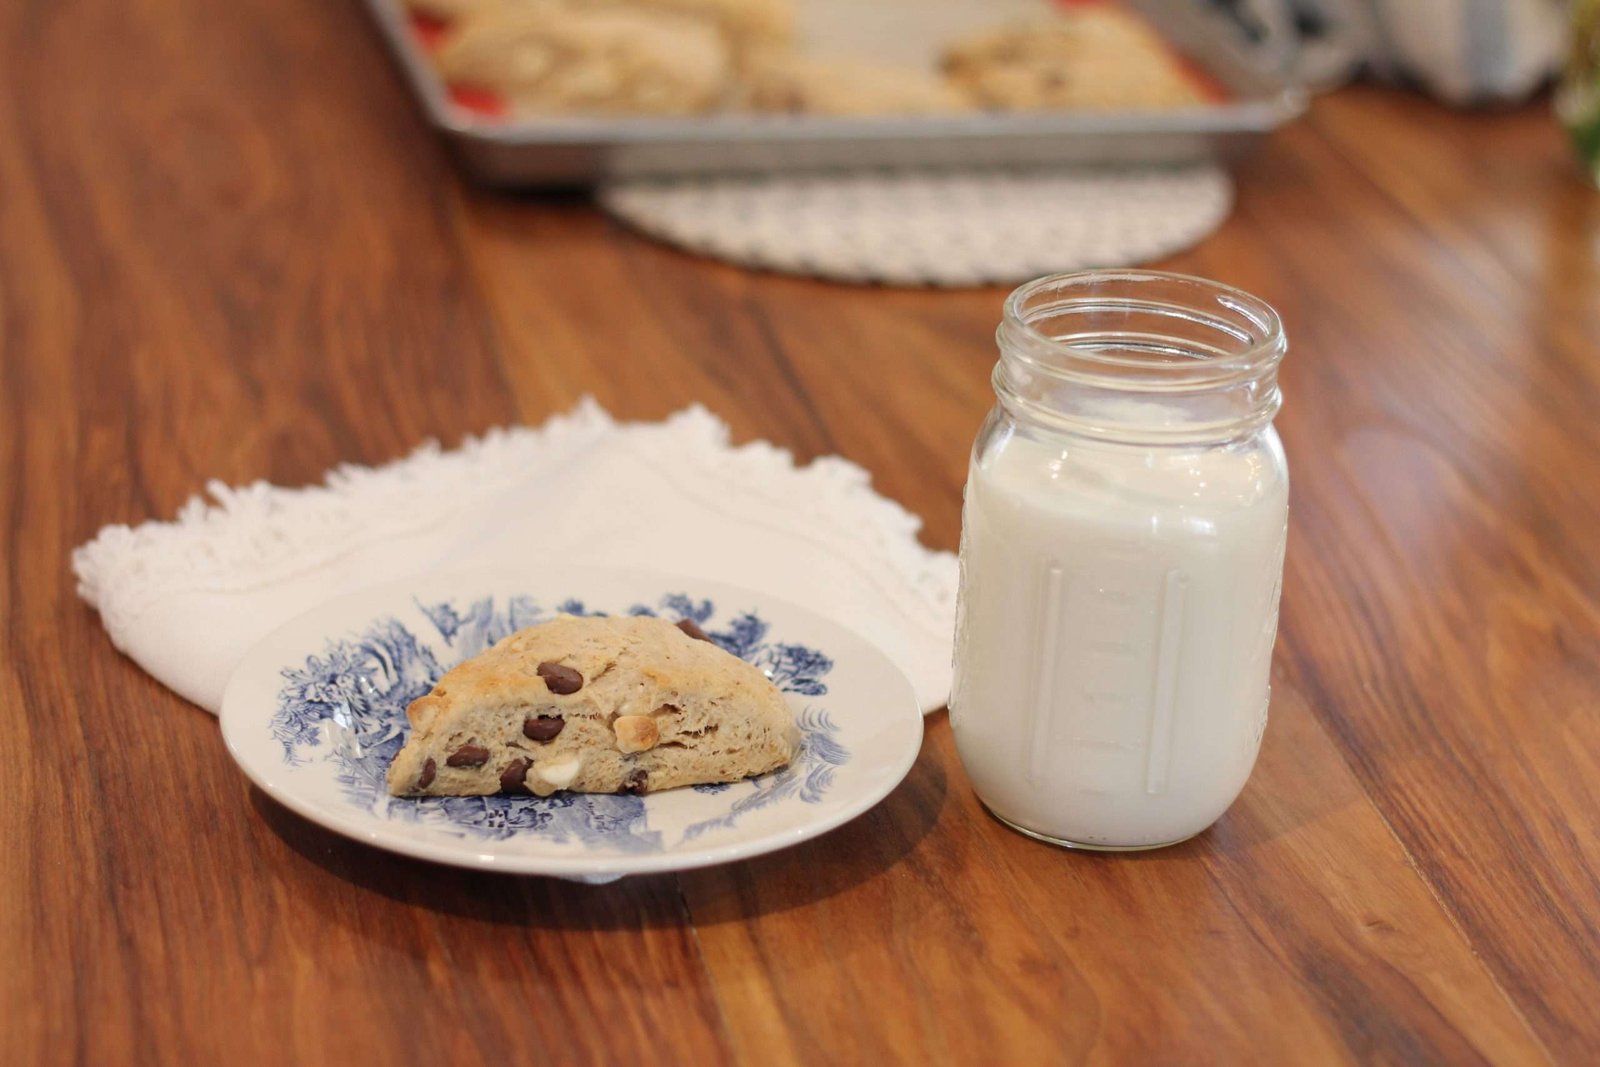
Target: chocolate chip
x,y
560,678
692,628
542,727
468,756
512,778
637,782
429,769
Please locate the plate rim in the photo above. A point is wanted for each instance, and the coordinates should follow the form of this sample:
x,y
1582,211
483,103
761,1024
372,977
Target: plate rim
x,y
483,857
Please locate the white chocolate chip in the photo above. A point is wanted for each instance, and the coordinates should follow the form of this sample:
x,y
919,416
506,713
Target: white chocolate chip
x,y
530,62
636,733
592,81
561,774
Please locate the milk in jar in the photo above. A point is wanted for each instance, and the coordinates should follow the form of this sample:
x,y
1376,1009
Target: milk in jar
x,y
1122,547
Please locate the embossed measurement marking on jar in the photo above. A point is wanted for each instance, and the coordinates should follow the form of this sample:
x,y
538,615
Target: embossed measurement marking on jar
x,y
1158,758
1045,658
1115,691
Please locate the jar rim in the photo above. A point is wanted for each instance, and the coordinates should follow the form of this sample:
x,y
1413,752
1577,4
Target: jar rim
x,y
1137,356
1262,346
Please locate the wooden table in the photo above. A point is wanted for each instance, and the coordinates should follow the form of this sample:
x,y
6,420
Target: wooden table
x,y
230,249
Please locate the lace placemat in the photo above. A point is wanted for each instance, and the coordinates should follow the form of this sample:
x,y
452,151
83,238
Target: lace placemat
x,y
924,228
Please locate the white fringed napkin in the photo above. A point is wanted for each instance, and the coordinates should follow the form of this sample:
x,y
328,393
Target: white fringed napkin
x,y
187,599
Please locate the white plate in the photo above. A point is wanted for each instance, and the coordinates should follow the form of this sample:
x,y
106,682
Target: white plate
x,y
316,711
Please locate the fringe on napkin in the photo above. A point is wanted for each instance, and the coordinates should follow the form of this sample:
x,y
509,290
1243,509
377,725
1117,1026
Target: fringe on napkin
x,y
255,535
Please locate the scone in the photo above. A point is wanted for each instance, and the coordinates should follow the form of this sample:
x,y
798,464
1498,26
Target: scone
x,y
551,58
749,25
1092,59
595,705
847,87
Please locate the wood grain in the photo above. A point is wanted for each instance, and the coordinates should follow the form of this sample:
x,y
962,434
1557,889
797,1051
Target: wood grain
x,y
230,249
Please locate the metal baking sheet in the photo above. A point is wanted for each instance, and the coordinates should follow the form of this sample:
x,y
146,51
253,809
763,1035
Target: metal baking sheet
x,y
579,151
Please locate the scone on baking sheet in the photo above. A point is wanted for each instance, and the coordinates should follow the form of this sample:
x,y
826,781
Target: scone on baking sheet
x,y
803,85
595,705
1096,58
546,57
749,25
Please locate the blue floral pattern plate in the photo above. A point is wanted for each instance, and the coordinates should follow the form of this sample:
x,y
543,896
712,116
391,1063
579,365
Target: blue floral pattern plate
x,y
315,713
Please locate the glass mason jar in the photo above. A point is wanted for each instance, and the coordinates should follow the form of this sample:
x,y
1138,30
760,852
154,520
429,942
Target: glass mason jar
x,y
1121,556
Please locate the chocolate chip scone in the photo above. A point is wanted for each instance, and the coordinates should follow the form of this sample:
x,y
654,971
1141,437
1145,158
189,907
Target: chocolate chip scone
x,y
804,85
749,25
595,705
1100,58
551,58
